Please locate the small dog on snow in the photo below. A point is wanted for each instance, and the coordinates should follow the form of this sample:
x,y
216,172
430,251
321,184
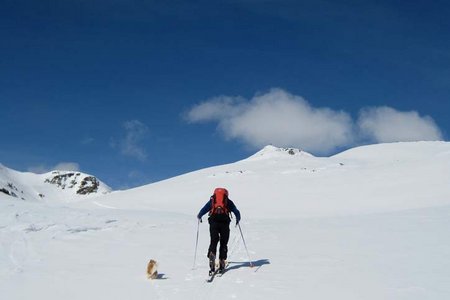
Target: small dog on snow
x,y
152,272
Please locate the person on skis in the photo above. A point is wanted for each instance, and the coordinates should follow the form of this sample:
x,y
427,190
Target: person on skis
x,y
219,207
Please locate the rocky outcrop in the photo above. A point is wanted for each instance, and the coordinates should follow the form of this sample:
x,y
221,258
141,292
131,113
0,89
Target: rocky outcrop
x,y
89,185
10,190
3,190
56,185
68,180
82,183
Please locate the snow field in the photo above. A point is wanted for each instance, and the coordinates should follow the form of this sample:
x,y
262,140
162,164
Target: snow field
x,y
369,223
102,254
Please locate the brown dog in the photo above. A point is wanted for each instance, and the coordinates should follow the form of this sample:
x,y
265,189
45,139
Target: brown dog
x,y
152,272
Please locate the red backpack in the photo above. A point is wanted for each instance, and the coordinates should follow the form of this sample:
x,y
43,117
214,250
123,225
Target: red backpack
x,y
219,202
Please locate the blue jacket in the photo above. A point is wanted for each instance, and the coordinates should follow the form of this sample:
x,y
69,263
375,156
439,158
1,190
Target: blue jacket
x,y
231,207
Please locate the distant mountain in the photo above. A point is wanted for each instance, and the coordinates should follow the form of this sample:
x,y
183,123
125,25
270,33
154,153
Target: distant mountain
x,y
52,186
273,152
273,182
280,182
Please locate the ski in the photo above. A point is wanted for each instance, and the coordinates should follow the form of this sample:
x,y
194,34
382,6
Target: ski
x,y
216,273
212,275
221,272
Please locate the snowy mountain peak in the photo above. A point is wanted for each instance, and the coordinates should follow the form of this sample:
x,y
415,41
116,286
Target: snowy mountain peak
x,y
52,186
83,184
273,152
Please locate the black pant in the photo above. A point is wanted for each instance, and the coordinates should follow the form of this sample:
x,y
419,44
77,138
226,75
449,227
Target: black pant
x,y
219,231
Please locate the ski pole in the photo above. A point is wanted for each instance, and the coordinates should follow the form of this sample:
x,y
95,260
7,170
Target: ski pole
x,y
251,264
196,244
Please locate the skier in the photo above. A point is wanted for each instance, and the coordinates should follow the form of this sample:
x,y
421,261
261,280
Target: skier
x,y
219,207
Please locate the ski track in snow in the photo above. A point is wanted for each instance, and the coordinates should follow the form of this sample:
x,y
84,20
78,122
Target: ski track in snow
x,y
104,205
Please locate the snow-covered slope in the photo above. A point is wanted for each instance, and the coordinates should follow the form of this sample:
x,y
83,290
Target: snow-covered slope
x,y
368,223
291,183
52,186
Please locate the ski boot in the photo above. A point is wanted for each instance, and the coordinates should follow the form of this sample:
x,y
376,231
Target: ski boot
x,y
222,264
212,263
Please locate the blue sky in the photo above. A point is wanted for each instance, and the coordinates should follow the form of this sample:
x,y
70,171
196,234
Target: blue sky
x,y
138,91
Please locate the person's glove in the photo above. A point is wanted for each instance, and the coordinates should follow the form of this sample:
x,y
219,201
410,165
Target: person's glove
x,y
237,221
199,218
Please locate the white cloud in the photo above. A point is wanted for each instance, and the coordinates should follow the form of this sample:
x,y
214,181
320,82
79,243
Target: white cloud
x,y
215,109
130,144
385,124
278,118
62,166
286,120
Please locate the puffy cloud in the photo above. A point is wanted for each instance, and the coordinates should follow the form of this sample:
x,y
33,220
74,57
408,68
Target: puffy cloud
x,y
278,118
215,109
385,124
286,120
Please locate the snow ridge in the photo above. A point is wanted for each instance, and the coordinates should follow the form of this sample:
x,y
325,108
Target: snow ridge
x,y
52,186
270,152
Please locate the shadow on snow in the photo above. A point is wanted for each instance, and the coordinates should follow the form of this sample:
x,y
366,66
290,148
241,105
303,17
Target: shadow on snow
x,y
245,264
161,276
